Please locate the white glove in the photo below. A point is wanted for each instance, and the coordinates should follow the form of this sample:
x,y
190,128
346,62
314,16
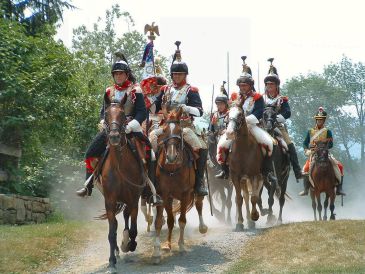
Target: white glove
x,y
280,118
307,152
101,125
133,126
191,110
251,119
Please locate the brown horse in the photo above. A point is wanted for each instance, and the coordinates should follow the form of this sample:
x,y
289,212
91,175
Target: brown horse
x,y
245,162
176,176
123,178
323,180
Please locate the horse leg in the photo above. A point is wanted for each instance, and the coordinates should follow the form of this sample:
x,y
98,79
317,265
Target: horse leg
x,y
325,206
182,222
199,207
125,240
256,187
282,201
314,205
112,236
132,244
263,211
239,202
270,201
170,224
148,218
319,206
229,204
223,200
156,256
246,197
332,205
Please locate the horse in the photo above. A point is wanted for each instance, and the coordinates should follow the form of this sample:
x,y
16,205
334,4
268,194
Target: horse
x,y
123,179
281,163
176,176
245,162
323,179
218,187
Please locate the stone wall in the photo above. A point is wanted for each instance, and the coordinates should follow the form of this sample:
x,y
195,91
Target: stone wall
x,y
16,209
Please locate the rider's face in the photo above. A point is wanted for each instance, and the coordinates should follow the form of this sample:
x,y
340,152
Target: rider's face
x,y
178,78
320,122
221,106
244,88
120,77
271,89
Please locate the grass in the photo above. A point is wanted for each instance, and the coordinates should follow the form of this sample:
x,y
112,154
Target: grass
x,y
308,247
39,248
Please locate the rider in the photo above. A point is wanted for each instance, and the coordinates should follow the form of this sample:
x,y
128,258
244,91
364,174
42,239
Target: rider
x,y
134,108
272,97
253,107
320,134
182,94
218,125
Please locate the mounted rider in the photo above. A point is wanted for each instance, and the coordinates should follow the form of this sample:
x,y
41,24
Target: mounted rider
x,y
181,94
273,97
253,107
124,87
218,124
320,133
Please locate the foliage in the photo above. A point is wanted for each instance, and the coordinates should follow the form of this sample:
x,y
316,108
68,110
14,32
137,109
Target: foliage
x,y
51,96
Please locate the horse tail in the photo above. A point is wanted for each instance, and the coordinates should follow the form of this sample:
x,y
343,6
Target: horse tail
x,y
119,208
176,207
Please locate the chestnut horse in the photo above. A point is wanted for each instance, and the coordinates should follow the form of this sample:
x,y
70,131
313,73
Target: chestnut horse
x,y
245,162
176,176
122,178
281,162
323,180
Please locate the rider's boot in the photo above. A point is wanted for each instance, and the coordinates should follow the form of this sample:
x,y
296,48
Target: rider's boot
x,y
224,173
88,186
339,190
200,188
305,187
294,161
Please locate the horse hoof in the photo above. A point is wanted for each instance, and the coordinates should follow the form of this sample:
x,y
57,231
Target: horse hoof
x,y
239,228
156,260
255,216
112,269
251,225
264,212
203,229
166,247
270,219
333,217
132,246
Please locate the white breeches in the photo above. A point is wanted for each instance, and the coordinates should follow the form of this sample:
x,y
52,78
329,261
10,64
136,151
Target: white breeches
x,y
189,136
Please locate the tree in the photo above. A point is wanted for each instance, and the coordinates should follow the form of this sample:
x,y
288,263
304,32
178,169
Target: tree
x,y
350,78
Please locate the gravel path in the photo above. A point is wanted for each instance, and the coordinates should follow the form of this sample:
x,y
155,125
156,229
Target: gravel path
x,y
213,252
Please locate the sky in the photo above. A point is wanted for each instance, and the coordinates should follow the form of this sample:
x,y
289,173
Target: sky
x,y
302,36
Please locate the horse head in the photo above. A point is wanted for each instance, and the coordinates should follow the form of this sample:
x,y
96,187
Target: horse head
x,y
269,118
236,120
115,120
321,152
171,138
